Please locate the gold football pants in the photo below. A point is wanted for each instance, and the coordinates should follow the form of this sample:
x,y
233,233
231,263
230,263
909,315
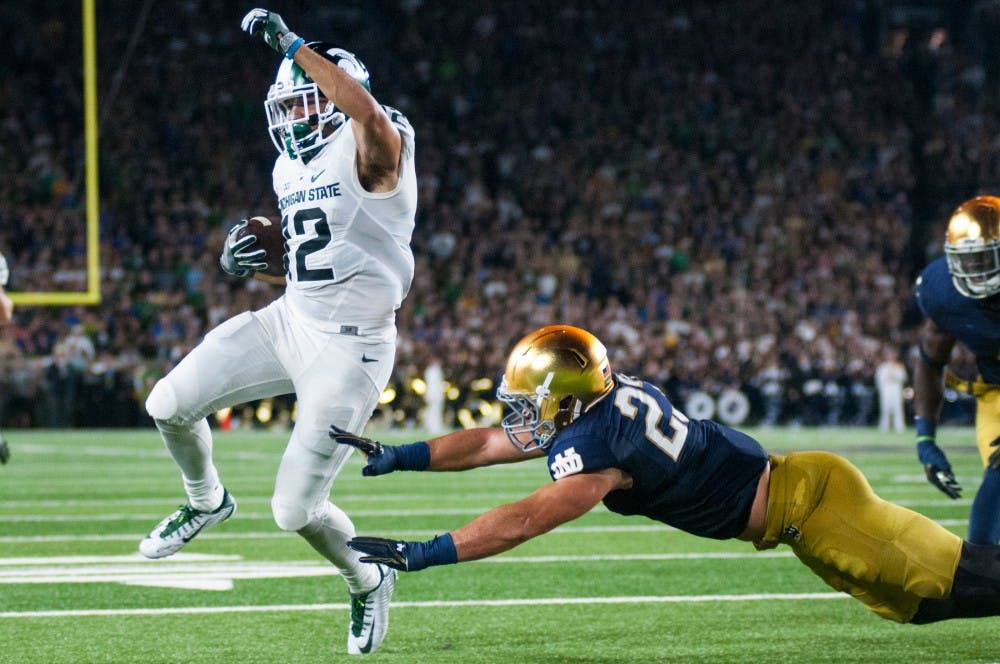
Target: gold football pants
x,y
987,423
987,410
884,555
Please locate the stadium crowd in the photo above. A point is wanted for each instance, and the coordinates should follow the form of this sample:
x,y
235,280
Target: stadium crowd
x,y
732,197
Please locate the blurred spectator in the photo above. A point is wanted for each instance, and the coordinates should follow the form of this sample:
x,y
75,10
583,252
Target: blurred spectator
x,y
890,376
62,381
737,193
433,417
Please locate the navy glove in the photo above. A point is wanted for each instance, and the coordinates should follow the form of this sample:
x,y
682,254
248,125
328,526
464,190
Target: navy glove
x,y
406,556
381,550
383,459
237,258
937,467
272,29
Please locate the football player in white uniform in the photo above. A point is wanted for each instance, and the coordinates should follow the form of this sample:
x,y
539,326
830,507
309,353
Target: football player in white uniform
x,y
347,193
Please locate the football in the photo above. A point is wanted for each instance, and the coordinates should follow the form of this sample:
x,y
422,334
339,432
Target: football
x,y
270,239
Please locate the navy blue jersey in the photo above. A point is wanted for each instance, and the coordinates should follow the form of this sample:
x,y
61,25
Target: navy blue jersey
x,y
696,475
975,323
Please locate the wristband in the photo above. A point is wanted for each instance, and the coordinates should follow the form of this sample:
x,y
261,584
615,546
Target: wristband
x,y
290,43
438,551
926,428
413,456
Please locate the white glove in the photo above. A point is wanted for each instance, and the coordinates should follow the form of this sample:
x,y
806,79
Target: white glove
x,y
4,271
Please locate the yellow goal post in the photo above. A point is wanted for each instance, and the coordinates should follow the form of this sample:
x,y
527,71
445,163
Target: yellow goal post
x,y
93,293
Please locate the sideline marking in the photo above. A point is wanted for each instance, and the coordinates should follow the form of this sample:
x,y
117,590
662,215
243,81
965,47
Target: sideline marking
x,y
559,601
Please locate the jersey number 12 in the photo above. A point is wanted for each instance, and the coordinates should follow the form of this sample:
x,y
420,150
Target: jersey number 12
x,y
317,217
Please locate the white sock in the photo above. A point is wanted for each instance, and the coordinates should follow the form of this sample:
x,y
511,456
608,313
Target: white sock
x,y
205,495
329,535
190,445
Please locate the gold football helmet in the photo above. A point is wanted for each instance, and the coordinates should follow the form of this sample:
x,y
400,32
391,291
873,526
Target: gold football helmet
x,y
552,375
972,247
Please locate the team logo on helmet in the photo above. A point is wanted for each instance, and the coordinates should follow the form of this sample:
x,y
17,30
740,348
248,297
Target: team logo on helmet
x,y
552,376
972,247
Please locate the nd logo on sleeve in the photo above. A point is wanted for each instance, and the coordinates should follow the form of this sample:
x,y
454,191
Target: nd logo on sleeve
x,y
566,463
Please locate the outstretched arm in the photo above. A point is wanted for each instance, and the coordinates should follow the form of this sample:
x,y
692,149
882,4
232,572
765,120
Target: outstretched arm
x,y
460,450
471,448
552,505
501,528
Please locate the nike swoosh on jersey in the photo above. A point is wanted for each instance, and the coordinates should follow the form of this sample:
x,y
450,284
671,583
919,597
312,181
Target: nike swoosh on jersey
x,y
313,178
365,358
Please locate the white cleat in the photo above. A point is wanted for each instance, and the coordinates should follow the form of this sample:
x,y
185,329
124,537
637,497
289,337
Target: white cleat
x,y
370,615
171,534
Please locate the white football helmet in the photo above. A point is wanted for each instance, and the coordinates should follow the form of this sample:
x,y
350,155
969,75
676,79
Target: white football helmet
x,y
972,247
300,119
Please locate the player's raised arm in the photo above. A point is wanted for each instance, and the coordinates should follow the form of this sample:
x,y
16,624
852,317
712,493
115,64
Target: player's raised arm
x,y
378,140
379,144
459,450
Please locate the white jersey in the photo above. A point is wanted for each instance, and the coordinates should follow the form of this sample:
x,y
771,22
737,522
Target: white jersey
x,y
348,256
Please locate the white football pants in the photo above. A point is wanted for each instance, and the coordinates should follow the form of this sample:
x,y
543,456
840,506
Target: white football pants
x,y
266,353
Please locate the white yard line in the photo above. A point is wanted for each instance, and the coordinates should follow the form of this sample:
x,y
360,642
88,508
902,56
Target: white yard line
x,y
275,534
171,501
217,535
133,516
283,608
389,512
199,562
217,573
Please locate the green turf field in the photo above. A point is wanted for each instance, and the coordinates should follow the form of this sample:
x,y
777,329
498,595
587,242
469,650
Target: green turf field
x,y
74,504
